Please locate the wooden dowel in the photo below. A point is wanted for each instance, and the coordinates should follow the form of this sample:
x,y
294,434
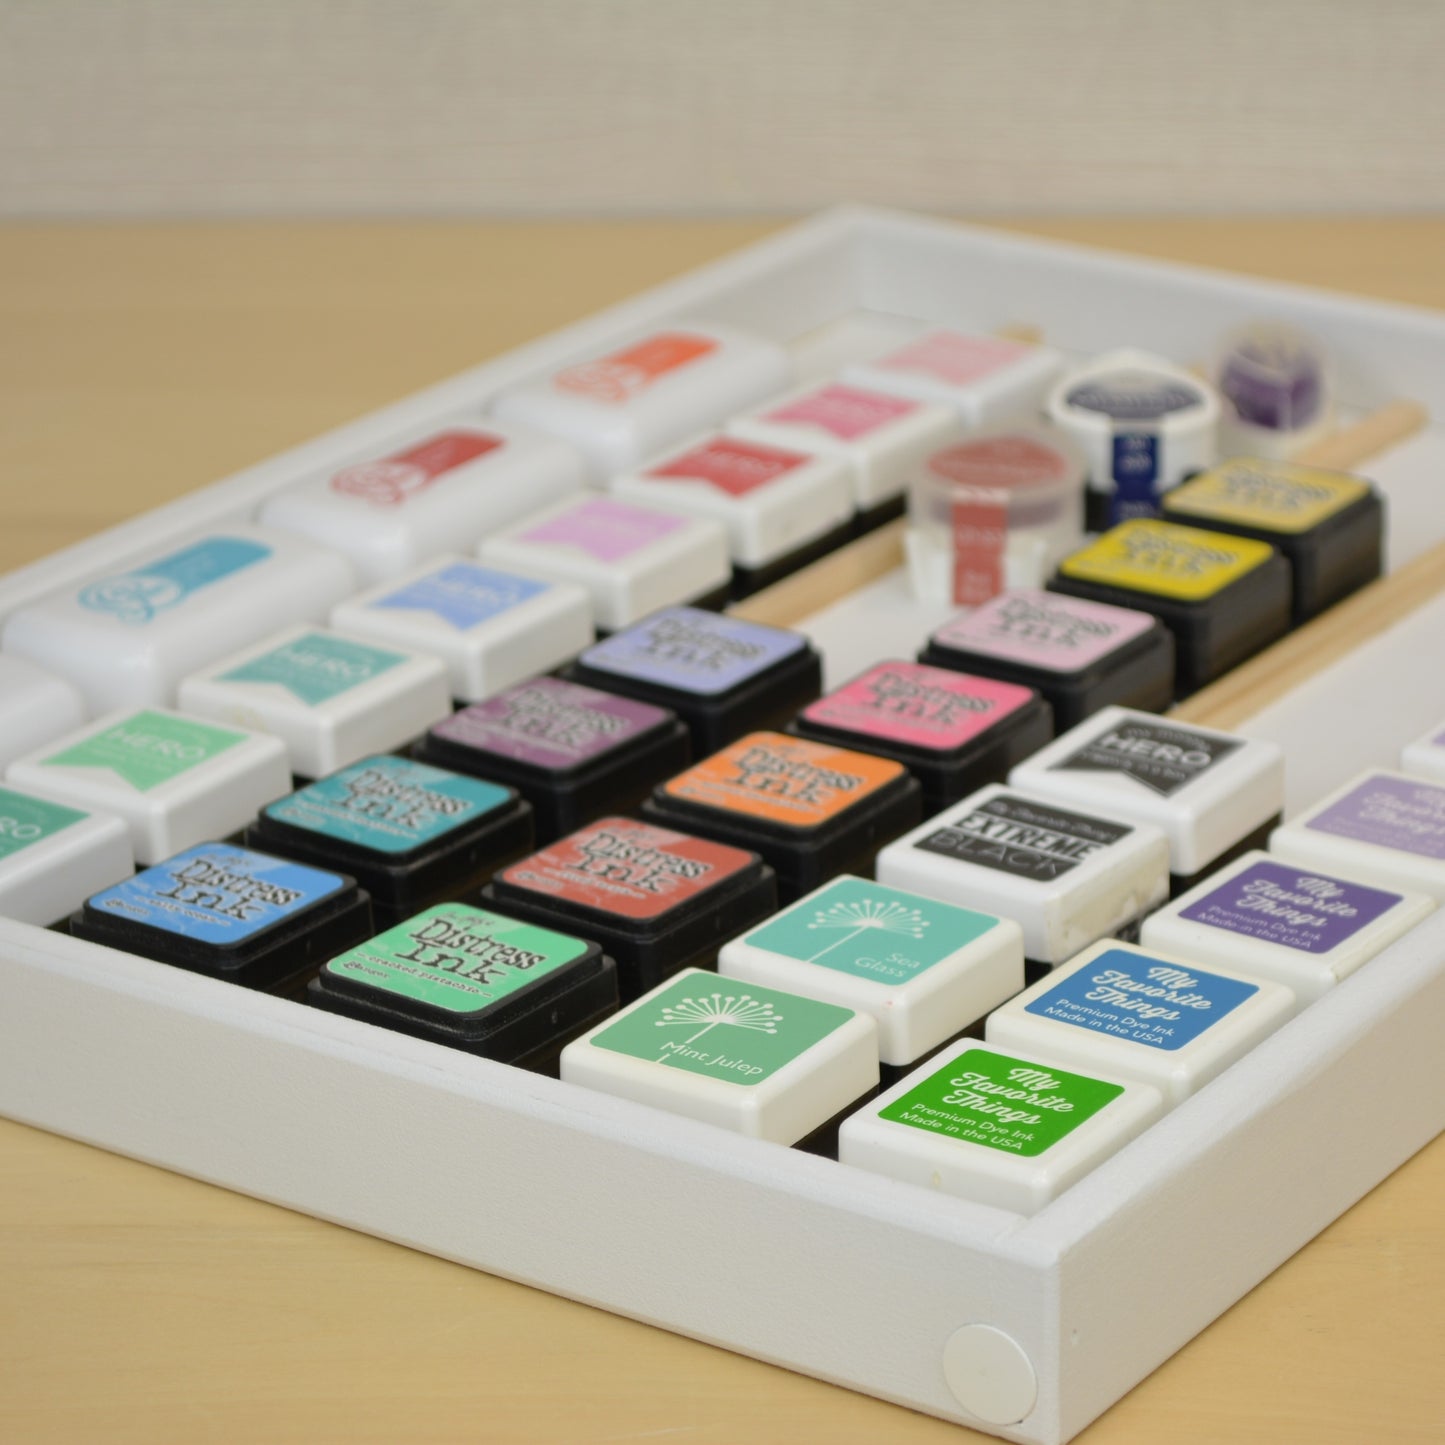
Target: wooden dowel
x,y
1379,431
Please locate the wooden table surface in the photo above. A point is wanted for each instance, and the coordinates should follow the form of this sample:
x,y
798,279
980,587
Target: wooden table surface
x,y
137,362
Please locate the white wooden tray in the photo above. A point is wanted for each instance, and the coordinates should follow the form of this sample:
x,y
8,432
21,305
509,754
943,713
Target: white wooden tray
x,y
1027,1327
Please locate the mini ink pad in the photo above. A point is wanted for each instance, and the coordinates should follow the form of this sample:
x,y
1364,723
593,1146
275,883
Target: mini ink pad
x,y
1330,526
722,676
1224,598
954,732
572,752
473,980
231,913
410,834
656,900
1079,655
811,810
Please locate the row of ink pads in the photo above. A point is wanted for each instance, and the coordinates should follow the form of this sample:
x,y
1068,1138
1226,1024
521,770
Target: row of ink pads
x,y
655,891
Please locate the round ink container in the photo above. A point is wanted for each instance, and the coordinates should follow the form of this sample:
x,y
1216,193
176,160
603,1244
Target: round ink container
x,y
572,752
233,914
997,509
409,833
656,900
1143,426
809,809
1329,525
1275,385
476,981
722,676
1080,656
954,732
1224,598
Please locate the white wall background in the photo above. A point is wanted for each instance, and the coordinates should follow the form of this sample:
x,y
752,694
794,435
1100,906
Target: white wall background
x,y
147,107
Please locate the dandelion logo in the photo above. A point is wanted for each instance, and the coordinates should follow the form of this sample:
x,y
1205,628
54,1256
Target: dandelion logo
x,y
740,1011
865,915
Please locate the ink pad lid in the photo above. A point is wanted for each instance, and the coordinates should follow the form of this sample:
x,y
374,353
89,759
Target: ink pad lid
x,y
952,730
432,489
651,392
922,968
330,699
810,809
1136,1014
52,857
231,913
173,779
1425,757
722,675
1008,1129
490,628
410,833
1271,919
35,706
473,980
755,1060
772,500
1205,789
572,751
1330,525
654,898
983,378
125,639
1079,655
880,436
631,559
1068,877
1382,828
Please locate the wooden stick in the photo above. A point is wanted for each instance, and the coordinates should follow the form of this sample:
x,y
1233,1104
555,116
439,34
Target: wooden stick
x,y
855,565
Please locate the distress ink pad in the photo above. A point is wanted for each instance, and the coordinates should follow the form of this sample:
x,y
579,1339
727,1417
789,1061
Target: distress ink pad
x,y
758,1061
1214,794
490,628
1329,525
1011,1130
1425,757
1068,877
656,900
722,676
811,810
473,980
52,858
954,732
231,913
173,780
782,507
1079,655
630,559
1382,828
924,970
330,699
1135,1014
1275,920
572,752
410,834
1224,598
